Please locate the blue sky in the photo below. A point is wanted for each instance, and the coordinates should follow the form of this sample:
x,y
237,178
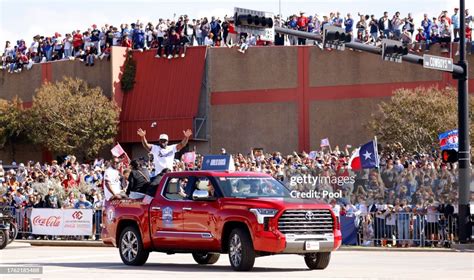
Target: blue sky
x,y
22,19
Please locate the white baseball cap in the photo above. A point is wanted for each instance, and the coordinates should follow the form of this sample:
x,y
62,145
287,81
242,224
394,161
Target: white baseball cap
x,y
164,137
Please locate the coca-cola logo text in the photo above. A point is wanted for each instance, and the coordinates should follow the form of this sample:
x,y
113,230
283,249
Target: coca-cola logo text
x,y
51,221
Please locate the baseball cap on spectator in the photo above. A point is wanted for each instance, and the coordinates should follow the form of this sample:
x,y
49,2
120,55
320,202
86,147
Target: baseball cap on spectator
x,y
164,137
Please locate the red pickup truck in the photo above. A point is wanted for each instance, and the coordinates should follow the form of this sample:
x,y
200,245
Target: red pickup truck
x,y
206,213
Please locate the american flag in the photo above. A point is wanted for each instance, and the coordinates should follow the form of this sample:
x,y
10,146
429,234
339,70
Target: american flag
x,y
325,142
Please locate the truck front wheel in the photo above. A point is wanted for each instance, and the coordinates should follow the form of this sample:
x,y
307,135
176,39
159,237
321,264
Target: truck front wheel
x,y
241,252
131,247
317,260
206,258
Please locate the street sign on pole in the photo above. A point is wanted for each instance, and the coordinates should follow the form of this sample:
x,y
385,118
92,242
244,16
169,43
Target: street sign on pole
x,y
438,63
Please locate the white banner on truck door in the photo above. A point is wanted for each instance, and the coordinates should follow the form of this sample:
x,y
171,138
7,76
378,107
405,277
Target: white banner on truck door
x,y
61,221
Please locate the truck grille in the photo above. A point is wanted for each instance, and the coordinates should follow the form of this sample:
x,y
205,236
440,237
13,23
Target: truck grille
x,y
304,221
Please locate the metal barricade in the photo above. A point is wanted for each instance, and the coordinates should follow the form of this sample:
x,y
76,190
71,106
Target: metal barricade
x,y
404,229
22,218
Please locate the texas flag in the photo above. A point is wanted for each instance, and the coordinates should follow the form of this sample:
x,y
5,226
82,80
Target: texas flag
x,y
365,157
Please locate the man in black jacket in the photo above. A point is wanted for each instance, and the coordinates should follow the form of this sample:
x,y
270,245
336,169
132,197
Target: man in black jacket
x,y
138,181
51,200
385,25
446,221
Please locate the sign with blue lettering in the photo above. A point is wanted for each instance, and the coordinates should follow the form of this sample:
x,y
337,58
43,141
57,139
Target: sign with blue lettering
x,y
218,163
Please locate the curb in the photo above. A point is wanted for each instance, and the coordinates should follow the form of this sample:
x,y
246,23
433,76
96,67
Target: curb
x,y
386,249
74,243
65,243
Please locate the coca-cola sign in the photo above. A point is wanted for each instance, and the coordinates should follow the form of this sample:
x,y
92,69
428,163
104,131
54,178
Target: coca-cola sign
x,y
61,221
50,221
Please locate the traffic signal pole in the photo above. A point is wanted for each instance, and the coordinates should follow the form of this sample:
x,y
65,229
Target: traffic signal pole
x,y
460,72
410,58
465,228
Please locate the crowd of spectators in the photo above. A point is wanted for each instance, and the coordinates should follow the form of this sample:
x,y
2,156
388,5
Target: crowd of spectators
x,y
370,29
171,37
411,185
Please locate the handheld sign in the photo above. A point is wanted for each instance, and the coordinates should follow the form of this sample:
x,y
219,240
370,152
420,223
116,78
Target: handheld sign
x,y
449,140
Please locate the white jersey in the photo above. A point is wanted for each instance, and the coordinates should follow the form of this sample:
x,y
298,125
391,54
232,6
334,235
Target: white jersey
x,y
112,176
163,158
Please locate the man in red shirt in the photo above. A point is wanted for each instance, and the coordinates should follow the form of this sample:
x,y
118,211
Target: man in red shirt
x,y
302,22
77,42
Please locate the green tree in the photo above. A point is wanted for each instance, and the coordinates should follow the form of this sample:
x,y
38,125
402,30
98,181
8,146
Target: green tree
x,y
415,117
71,117
13,122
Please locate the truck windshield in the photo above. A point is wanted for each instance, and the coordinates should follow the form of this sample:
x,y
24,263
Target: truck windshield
x,y
251,187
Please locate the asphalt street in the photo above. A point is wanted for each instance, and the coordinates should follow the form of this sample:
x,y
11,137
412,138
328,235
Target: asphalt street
x,y
104,263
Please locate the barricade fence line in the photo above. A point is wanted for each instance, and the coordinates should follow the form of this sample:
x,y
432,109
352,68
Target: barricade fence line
x,y
374,229
23,221
407,229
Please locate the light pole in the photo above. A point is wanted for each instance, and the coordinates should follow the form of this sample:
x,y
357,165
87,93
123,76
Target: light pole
x,y
279,12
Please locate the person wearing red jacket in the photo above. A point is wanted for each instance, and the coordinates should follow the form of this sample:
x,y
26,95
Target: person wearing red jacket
x,y
420,38
126,42
77,42
302,23
173,47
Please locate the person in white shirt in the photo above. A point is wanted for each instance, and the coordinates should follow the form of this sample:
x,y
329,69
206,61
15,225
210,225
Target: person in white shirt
x,y
163,155
208,41
67,46
336,208
112,187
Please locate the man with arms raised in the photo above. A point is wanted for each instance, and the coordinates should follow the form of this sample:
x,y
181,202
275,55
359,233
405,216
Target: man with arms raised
x,y
163,154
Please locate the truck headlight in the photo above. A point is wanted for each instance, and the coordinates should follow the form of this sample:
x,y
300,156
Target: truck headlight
x,y
262,213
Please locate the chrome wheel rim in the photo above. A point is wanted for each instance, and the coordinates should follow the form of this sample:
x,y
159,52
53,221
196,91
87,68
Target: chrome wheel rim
x,y
235,250
2,237
129,246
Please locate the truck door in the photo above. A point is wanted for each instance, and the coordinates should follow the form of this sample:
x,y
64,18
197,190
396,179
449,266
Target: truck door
x,y
166,213
200,217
